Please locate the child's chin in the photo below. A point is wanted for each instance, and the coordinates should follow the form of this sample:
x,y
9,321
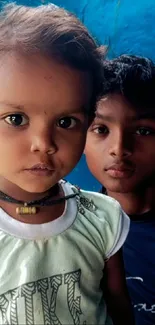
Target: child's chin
x,y
36,188
119,187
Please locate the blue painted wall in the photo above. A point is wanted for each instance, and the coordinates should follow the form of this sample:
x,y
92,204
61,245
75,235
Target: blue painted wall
x,y
126,26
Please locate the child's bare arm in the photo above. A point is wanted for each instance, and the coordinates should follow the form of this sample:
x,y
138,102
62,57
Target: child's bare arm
x,y
114,286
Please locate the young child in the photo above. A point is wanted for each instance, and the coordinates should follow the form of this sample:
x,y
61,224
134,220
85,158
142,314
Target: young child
x,y
120,153
59,246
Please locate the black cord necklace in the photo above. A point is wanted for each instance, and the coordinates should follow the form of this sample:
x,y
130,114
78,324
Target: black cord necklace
x,y
31,207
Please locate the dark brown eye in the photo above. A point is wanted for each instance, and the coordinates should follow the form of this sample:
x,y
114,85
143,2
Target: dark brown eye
x,y
67,122
143,131
16,120
101,130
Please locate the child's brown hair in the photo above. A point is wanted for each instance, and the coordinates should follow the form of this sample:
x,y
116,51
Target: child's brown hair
x,y
53,32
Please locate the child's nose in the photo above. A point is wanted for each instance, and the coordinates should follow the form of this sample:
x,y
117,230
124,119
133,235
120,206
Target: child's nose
x,y
120,146
43,142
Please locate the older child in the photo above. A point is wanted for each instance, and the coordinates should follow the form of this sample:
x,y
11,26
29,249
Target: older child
x,y
55,241
120,153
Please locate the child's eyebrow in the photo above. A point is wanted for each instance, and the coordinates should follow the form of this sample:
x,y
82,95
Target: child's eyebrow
x,y
141,116
104,117
13,105
146,116
77,110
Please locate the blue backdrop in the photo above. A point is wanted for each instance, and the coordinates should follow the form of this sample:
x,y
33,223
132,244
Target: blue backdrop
x,y
126,26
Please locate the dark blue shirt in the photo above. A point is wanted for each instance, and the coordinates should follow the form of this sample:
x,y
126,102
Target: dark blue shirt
x,y
139,259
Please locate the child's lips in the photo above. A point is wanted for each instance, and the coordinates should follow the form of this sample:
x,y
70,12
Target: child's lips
x,y
119,171
41,170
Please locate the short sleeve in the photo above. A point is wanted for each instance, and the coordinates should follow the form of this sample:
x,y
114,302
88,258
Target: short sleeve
x,y
106,224
123,229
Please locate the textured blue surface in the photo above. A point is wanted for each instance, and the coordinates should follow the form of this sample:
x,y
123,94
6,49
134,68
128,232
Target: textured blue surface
x,y
126,26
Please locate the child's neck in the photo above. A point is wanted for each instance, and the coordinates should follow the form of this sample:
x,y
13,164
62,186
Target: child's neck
x,y
44,214
136,202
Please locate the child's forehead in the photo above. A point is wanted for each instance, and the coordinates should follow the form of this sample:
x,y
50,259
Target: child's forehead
x,y
41,81
116,104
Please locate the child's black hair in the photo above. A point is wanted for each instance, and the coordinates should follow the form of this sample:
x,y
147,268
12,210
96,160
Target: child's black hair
x,y
133,77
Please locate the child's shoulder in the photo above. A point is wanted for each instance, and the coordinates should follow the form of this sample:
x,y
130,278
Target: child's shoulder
x,y
94,201
104,216
98,203
102,202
